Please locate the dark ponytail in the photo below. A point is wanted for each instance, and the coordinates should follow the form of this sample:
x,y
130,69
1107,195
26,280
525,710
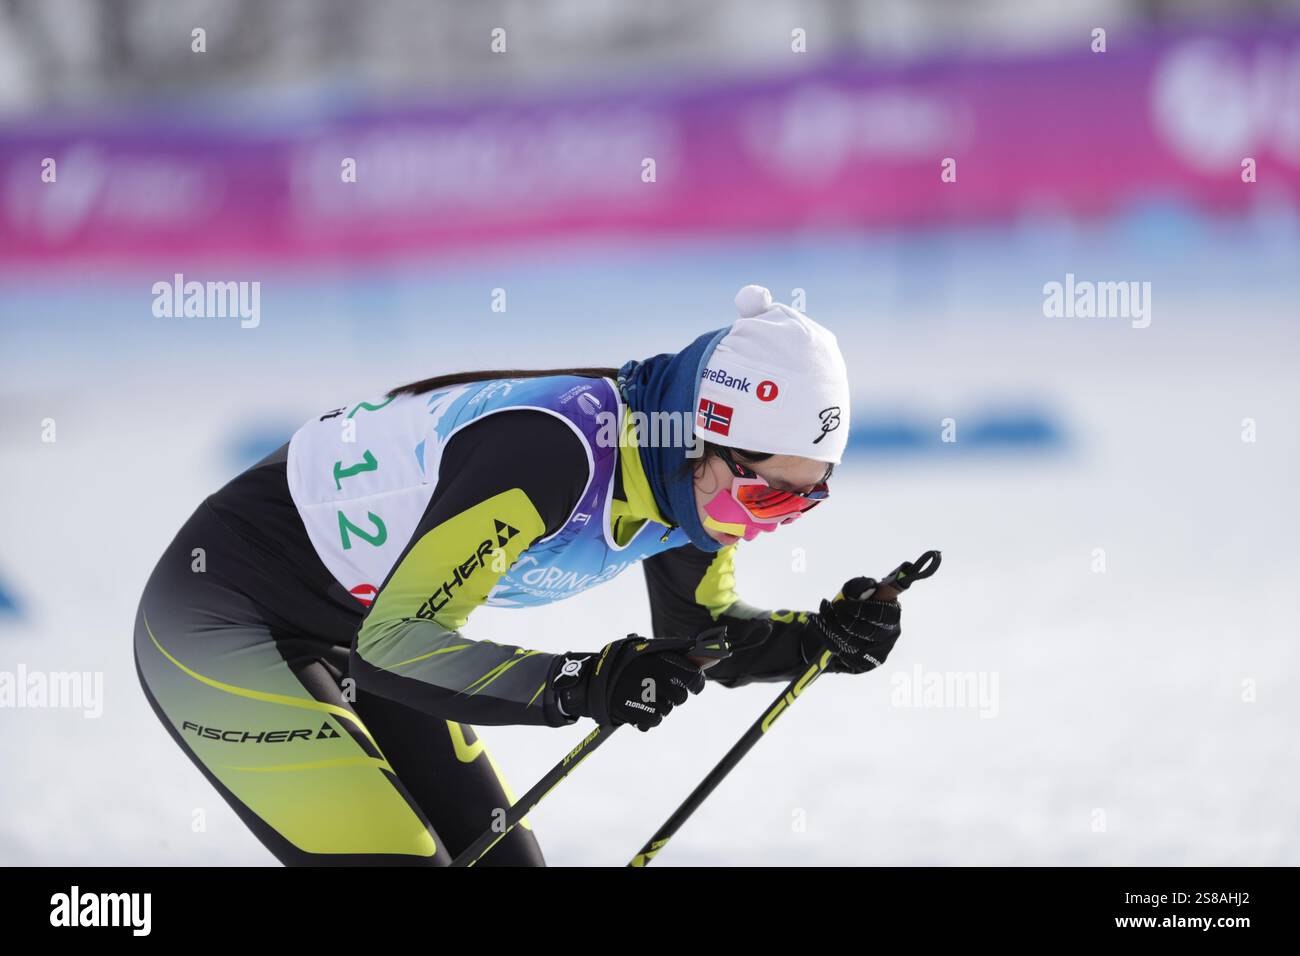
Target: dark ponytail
x,y
460,378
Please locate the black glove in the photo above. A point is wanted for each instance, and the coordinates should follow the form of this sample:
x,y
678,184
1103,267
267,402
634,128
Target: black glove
x,y
636,680
859,634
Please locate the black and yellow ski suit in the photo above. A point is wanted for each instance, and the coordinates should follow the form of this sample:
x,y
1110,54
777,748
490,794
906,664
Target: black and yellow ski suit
x,y
276,681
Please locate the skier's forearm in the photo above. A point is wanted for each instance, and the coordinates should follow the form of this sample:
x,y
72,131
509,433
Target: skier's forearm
x,y
779,658
691,590
410,647
439,671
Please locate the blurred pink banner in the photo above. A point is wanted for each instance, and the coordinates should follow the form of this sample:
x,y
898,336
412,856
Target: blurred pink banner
x,y
855,145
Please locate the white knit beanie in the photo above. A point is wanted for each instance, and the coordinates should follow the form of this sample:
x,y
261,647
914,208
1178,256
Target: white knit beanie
x,y
775,383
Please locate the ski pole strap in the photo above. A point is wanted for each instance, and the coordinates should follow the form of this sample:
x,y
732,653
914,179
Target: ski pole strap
x,y
903,576
711,646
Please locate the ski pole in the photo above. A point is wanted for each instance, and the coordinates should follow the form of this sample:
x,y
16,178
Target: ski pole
x,y
710,647
900,579
521,807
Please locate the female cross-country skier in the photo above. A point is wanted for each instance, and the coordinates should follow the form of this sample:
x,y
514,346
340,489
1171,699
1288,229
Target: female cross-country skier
x,y
304,636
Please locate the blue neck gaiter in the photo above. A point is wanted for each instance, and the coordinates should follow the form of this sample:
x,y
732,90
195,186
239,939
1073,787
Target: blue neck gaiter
x,y
668,383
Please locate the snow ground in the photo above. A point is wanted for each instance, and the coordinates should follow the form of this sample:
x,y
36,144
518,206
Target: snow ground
x,y
1120,694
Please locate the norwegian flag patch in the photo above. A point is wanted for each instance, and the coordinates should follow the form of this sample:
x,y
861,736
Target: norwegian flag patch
x,y
714,416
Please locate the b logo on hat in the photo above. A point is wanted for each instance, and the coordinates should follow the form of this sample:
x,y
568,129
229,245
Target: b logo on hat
x,y
830,421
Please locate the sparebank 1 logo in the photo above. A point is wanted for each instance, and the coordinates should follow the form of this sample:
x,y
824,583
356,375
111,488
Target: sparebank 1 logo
x,y
765,391
720,376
